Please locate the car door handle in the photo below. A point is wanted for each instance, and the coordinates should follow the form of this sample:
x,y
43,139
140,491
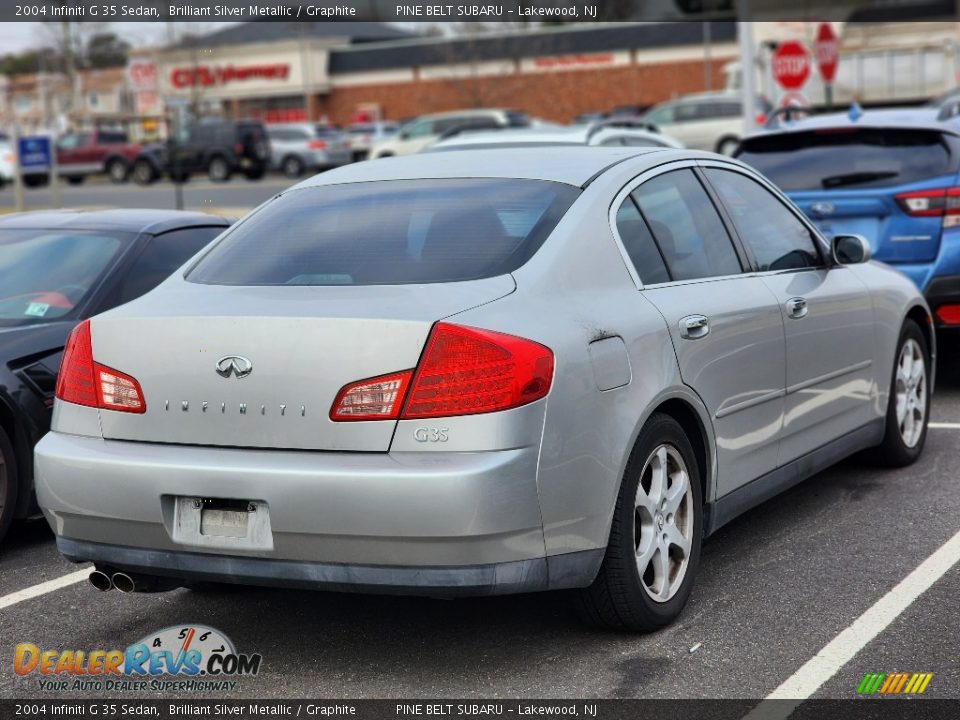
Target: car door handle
x,y
797,307
693,327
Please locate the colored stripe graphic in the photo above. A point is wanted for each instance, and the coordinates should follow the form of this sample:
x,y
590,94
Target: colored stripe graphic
x,y
894,683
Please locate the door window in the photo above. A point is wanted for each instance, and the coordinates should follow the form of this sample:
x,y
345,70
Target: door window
x,y
778,239
687,227
424,128
639,244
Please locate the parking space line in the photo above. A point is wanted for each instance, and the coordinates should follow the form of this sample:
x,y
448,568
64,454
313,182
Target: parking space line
x,y
944,425
844,647
44,588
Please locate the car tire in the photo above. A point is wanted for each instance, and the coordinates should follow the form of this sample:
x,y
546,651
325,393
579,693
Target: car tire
x,y
908,405
727,146
8,484
75,179
292,166
144,173
118,171
218,169
622,597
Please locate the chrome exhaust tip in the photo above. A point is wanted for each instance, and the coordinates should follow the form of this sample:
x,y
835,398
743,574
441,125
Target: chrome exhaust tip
x,y
100,580
124,583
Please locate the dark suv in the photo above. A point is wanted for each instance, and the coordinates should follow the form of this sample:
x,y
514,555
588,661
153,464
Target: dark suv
x,y
219,148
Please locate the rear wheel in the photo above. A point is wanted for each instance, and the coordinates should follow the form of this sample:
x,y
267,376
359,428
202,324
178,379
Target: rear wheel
x,y
118,170
219,169
8,483
653,553
909,401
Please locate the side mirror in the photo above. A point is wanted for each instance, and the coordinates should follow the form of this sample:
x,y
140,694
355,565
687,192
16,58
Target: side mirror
x,y
850,249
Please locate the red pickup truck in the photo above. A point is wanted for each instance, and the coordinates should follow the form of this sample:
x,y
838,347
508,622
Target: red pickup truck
x,y
91,152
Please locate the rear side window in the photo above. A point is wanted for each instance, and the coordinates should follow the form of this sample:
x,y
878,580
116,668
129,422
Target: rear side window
x,y
776,236
389,232
850,157
639,244
687,227
162,255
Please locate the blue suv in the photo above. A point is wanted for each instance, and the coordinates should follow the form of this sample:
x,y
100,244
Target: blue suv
x,y
889,175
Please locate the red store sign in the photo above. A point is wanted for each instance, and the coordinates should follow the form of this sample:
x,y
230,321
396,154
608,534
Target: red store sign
x,y
205,75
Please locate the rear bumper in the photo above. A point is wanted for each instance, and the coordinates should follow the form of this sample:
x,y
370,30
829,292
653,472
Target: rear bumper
x,y
409,521
943,291
536,574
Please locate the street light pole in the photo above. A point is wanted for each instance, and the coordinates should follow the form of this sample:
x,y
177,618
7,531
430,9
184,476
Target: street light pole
x,y
747,78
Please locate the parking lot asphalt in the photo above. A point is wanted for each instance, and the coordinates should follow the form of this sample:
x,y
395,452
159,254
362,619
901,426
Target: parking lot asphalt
x,y
776,586
236,196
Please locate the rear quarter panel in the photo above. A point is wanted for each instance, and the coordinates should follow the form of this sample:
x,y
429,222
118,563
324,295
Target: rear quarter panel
x,y
575,291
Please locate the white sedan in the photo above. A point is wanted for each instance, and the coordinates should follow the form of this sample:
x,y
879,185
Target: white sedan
x,y
597,135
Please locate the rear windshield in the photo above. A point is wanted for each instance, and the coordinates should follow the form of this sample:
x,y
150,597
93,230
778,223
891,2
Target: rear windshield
x,y
850,157
389,232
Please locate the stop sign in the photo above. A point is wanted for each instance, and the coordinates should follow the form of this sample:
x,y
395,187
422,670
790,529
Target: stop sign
x,y
826,50
791,65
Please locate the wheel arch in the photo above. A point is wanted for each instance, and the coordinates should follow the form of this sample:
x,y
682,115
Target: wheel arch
x,y
22,448
920,314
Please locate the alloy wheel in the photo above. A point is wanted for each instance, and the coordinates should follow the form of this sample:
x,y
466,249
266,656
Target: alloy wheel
x,y
911,392
663,523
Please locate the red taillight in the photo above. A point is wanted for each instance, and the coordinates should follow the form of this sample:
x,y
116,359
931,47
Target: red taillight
x,y
930,203
463,371
75,382
316,144
83,382
949,314
377,398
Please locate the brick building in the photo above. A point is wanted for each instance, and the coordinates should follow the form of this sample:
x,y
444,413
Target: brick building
x,y
330,70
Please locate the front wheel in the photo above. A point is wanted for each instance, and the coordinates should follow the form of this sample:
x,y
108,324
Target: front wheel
x,y
909,401
218,170
653,553
144,173
292,166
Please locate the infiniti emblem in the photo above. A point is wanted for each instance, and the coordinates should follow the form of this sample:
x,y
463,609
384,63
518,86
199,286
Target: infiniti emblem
x,y
235,365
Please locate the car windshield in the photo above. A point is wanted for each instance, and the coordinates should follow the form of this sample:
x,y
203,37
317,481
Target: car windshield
x,y
850,157
389,232
44,274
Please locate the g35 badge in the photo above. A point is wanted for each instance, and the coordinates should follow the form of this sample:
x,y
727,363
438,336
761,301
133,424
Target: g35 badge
x,y
431,434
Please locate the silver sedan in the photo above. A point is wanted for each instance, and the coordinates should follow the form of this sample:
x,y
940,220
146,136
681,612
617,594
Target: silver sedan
x,y
465,373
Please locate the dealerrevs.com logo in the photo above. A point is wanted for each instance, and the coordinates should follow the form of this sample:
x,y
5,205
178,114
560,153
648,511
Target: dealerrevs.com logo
x,y
177,658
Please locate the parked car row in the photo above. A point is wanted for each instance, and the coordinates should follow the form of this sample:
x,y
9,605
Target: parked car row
x,y
455,373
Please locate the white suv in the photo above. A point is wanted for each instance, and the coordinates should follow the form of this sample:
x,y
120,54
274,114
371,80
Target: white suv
x,y
418,133
705,121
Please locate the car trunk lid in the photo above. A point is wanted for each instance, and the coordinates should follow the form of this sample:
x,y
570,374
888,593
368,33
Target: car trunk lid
x,y
303,344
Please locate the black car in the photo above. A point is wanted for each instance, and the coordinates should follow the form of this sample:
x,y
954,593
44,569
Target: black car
x,y
218,148
56,269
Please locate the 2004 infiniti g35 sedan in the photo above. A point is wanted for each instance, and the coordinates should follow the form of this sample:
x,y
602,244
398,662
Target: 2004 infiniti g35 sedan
x,y
451,374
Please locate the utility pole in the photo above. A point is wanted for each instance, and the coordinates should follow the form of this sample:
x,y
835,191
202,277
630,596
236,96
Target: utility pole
x,y
745,38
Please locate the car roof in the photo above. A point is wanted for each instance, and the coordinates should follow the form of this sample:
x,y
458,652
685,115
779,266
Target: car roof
x,y
127,220
577,135
909,118
570,165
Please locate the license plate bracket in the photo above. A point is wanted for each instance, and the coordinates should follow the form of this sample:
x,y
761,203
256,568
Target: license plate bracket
x,y
222,523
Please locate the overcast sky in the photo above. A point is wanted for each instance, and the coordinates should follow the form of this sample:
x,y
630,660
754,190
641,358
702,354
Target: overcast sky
x,y
23,35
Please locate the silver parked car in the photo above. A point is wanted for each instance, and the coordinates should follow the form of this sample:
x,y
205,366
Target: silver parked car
x,y
298,147
563,371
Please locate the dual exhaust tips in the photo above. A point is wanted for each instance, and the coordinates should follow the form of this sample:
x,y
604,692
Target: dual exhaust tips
x,y
104,578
